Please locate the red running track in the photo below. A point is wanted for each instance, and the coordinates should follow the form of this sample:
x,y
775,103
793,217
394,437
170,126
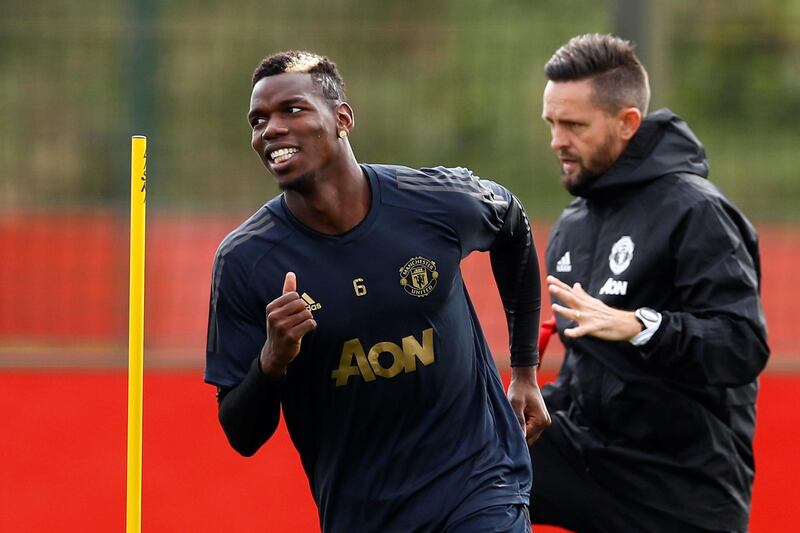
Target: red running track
x,y
63,454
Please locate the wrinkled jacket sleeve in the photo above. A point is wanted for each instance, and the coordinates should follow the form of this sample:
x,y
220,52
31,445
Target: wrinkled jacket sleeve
x,y
556,393
716,333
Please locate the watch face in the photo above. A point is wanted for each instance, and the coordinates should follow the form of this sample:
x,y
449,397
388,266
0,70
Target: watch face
x,y
648,314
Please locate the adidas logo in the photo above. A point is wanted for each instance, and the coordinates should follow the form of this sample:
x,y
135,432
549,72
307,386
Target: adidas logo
x,y
311,305
564,264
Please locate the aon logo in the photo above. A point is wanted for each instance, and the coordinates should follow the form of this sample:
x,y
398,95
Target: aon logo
x,y
614,287
356,362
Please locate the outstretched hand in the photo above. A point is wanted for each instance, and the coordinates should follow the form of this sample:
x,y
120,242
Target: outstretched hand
x,y
288,320
591,316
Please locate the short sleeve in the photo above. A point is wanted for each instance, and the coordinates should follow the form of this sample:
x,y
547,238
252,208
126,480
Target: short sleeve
x,y
475,207
236,323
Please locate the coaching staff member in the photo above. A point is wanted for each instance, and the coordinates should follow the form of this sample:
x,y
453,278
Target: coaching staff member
x,y
654,276
341,302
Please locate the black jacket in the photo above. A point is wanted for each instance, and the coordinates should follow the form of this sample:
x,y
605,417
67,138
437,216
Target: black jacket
x,y
668,424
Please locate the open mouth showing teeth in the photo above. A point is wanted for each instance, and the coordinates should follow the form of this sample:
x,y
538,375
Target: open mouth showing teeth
x,y
284,154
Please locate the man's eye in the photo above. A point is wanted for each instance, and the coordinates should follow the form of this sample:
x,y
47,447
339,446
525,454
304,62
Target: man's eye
x,y
294,109
256,122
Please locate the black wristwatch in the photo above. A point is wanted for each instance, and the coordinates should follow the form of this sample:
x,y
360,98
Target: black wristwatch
x,y
649,318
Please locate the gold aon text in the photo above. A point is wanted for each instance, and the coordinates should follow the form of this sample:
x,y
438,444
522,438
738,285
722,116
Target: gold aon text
x,y
368,366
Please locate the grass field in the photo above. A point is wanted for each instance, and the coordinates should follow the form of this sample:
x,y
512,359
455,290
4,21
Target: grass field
x,y
63,454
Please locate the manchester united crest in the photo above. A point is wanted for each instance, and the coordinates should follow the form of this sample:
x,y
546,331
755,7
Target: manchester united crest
x,y
418,276
621,255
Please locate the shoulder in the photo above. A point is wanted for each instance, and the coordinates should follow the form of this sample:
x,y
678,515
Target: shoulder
x,y
575,211
694,189
681,192
693,195
703,214
255,237
445,187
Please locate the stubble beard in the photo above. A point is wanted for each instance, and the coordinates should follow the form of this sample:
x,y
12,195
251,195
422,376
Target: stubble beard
x,y
301,184
599,162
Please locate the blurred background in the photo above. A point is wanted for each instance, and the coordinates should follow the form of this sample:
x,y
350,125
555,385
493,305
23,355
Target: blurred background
x,y
432,82
448,82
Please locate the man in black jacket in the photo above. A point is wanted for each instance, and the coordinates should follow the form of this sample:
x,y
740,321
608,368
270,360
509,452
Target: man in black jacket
x,y
654,277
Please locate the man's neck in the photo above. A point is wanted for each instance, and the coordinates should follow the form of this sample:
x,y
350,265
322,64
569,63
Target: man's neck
x,y
335,203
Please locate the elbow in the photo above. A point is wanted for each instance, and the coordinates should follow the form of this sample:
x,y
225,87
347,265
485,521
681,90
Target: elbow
x,y
248,421
746,369
741,357
756,352
242,444
237,439
242,435
243,449
759,358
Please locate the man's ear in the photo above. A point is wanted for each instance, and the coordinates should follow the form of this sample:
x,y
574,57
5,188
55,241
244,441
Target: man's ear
x,y
630,118
345,119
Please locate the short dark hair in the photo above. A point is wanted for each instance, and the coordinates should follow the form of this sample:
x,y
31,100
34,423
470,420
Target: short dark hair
x,y
618,77
323,71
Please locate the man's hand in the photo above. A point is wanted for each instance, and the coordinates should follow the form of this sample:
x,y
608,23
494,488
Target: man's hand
x,y
527,402
288,320
591,315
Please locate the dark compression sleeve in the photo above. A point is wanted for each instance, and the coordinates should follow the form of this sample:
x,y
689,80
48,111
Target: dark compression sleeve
x,y
249,413
516,272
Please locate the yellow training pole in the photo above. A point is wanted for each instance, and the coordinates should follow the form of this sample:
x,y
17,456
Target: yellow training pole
x,y
136,332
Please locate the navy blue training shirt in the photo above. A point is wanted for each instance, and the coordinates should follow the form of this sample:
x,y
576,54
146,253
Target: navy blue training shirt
x,y
394,402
